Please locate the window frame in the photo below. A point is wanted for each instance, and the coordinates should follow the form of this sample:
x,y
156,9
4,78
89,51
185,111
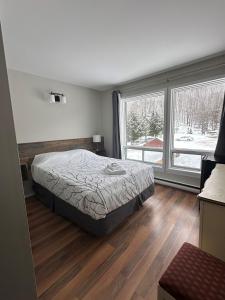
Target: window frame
x,y
172,149
124,101
145,149
168,149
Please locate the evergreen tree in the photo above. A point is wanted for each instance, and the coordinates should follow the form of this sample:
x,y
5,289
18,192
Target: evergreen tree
x,y
136,126
155,124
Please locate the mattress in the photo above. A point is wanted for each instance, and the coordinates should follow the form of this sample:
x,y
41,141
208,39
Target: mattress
x,y
78,178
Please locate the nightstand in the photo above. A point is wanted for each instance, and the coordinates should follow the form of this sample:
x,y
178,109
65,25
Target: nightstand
x,y
24,168
101,152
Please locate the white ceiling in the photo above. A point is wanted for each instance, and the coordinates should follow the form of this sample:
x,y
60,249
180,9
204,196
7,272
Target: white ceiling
x,y
101,43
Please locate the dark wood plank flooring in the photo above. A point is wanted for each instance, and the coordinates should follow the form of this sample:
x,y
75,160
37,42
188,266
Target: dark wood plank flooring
x,y
127,264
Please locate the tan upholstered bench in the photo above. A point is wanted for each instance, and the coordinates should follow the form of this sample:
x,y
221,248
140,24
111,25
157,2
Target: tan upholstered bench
x,y
193,275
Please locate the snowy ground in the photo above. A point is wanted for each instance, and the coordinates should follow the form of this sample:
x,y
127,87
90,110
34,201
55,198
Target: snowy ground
x,y
198,142
187,160
180,160
149,156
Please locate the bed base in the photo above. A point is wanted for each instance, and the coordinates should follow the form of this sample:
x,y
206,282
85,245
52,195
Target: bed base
x,y
99,227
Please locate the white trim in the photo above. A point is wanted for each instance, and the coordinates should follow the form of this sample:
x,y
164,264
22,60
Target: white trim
x,y
141,93
154,165
193,152
144,148
168,131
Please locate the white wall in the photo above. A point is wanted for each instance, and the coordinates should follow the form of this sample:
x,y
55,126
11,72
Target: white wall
x,y
37,120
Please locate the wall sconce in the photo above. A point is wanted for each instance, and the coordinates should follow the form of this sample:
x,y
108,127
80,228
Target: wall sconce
x,y
57,98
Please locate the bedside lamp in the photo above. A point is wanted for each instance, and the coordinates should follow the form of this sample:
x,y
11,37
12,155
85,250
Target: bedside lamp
x,y
97,139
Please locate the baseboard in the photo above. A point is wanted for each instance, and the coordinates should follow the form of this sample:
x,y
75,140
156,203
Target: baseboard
x,y
178,185
29,195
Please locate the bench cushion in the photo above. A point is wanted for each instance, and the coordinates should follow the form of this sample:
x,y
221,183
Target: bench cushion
x,y
194,275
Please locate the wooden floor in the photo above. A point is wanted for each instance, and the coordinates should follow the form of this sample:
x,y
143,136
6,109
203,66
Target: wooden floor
x,y
71,264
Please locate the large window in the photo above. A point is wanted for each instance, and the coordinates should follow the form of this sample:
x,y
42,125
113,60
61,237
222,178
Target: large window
x,y
196,113
144,128
191,121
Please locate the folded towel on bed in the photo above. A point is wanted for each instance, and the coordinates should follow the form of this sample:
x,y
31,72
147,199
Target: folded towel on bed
x,y
114,169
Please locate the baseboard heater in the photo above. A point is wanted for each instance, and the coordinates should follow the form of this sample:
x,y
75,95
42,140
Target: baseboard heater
x,y
180,185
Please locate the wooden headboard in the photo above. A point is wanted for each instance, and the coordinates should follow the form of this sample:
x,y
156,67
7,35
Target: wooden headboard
x,y
27,151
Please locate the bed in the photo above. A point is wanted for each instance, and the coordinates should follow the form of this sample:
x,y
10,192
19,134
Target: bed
x,y
74,185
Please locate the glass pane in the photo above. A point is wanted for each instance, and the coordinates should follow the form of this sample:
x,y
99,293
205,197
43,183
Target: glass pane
x,y
153,157
197,111
145,120
134,154
187,160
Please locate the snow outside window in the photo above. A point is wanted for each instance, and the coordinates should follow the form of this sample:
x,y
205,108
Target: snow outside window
x,y
196,117
143,128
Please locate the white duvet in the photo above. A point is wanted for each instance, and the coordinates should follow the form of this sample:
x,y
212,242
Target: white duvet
x,y
78,177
